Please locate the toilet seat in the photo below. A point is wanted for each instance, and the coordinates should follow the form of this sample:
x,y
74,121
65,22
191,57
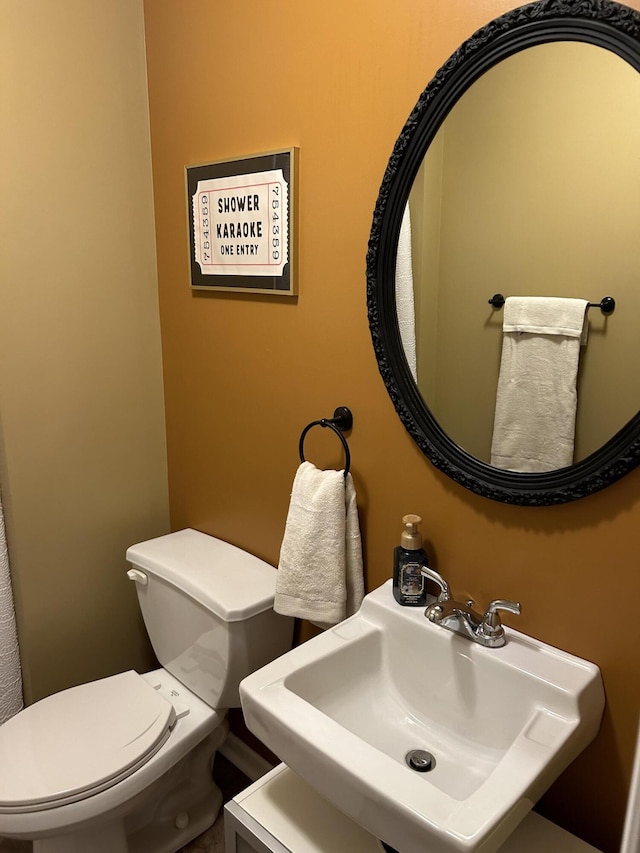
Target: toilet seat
x,y
80,741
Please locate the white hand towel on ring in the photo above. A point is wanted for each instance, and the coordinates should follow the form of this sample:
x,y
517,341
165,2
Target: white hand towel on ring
x,y
320,574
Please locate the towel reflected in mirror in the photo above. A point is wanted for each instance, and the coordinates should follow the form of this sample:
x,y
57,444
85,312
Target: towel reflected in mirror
x,y
536,402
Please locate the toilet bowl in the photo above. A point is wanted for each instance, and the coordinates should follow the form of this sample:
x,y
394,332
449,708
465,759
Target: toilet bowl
x,y
124,764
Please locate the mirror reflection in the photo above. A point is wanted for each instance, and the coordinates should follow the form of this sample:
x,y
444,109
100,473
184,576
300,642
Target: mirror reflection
x,y
531,187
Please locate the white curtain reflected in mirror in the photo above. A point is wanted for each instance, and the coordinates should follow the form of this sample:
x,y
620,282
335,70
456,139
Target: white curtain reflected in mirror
x,y
405,301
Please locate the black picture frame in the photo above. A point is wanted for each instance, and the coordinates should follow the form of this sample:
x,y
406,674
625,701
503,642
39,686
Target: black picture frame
x,y
242,239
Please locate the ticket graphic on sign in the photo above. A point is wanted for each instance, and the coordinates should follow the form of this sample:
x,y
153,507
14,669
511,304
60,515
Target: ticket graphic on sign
x,y
241,224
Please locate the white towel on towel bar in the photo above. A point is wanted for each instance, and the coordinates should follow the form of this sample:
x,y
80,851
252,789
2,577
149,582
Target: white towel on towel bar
x,y
320,569
534,426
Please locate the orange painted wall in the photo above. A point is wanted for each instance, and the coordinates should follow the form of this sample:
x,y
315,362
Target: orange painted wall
x,y
244,374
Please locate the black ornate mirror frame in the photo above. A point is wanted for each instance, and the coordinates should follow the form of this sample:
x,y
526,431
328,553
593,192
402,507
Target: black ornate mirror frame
x,y
598,22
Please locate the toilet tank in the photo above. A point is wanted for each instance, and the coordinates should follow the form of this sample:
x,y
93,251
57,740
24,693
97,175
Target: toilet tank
x,y
208,610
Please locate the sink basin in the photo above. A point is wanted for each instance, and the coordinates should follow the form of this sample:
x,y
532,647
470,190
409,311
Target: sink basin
x,y
344,709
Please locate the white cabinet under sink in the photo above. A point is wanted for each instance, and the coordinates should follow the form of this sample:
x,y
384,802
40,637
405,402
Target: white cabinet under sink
x,y
280,813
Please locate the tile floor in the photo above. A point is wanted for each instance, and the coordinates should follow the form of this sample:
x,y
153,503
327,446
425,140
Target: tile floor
x,y
231,781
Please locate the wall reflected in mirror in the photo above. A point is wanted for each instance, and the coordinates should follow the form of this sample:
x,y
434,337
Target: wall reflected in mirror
x,y
531,187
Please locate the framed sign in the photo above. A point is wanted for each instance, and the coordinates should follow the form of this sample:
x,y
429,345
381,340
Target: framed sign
x,y
241,224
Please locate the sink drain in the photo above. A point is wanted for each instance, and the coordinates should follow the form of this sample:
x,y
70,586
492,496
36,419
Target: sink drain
x,y
420,760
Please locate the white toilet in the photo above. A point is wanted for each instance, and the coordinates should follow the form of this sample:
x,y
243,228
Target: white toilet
x,y
123,764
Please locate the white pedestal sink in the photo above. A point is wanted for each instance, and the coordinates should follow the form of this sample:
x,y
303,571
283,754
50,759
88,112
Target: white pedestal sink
x,y
344,709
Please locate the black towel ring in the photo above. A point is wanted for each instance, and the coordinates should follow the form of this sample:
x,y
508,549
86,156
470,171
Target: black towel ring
x,y
342,421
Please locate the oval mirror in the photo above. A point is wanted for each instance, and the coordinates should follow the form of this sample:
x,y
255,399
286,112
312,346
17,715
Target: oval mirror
x,y
517,173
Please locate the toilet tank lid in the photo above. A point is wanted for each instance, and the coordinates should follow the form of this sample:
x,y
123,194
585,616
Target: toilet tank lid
x,y
225,579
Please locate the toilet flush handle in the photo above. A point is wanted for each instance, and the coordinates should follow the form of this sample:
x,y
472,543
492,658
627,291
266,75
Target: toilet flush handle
x,y
138,576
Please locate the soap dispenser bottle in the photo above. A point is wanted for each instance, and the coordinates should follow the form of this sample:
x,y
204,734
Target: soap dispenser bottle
x,y
409,585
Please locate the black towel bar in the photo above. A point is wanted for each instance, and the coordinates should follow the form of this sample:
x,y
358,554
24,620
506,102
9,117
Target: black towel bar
x,y
342,421
607,304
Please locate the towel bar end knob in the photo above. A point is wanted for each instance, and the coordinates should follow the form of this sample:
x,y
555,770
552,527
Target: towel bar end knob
x,y
608,305
342,418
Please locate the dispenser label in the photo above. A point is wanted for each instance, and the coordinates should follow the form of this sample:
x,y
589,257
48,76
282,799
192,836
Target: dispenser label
x,y
412,580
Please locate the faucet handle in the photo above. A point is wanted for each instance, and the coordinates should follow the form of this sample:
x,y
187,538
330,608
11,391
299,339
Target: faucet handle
x,y
436,577
491,620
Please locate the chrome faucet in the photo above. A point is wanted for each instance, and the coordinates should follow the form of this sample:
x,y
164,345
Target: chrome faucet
x,y
460,616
